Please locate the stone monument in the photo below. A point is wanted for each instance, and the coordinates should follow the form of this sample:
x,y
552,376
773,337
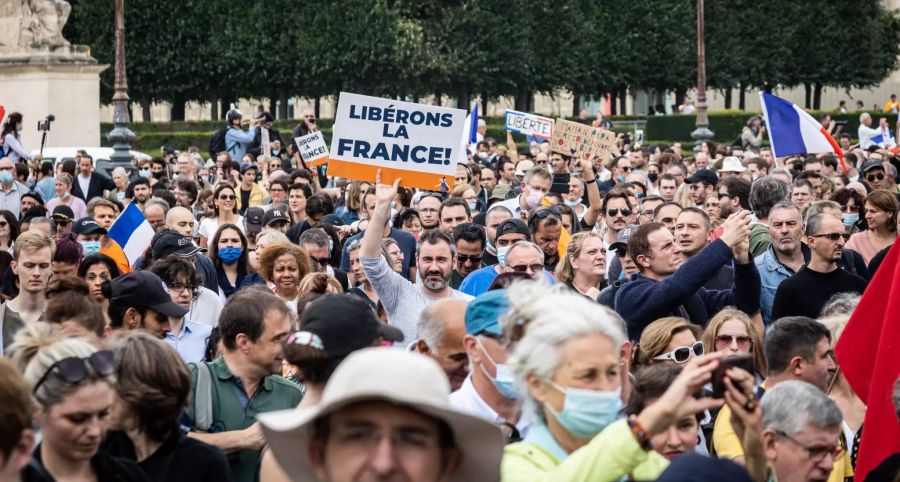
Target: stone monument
x,y
41,73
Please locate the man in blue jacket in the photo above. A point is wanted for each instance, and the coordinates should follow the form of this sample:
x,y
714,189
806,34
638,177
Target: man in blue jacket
x,y
236,140
666,285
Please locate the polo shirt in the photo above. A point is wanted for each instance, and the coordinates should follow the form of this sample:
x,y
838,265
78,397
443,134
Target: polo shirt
x,y
230,413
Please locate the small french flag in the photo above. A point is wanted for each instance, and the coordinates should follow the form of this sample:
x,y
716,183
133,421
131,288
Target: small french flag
x,y
131,232
793,131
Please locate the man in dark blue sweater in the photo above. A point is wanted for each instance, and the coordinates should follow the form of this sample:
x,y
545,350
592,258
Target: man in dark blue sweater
x,y
666,285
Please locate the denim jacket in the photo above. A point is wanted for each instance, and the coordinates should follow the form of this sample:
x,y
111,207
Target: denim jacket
x,y
771,274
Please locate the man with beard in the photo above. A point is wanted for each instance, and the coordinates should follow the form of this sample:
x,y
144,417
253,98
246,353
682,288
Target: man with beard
x,y
734,194
702,184
664,286
141,188
804,293
470,241
784,257
402,300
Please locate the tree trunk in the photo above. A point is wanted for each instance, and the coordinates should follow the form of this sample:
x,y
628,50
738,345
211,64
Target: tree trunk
x,y
317,106
463,97
623,101
437,99
742,98
680,93
178,108
576,103
484,106
273,104
807,95
145,110
226,104
283,100
213,107
727,98
613,105
817,96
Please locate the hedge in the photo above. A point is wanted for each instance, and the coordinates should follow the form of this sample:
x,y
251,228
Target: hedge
x,y
727,125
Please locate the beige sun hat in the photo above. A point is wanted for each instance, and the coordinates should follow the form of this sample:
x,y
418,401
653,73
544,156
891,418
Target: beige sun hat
x,y
396,376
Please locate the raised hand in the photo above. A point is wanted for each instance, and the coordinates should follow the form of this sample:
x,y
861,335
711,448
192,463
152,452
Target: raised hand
x,y
679,400
385,193
736,228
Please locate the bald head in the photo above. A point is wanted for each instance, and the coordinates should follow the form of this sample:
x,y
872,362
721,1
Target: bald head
x,y
180,220
442,327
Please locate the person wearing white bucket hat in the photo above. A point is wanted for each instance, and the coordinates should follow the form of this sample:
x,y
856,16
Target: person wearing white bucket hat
x,y
380,395
731,165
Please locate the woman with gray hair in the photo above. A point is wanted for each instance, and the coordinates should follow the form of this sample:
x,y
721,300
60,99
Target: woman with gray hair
x,y
566,359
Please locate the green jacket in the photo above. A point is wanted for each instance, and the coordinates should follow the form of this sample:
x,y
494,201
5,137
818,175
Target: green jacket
x,y
274,393
759,239
611,456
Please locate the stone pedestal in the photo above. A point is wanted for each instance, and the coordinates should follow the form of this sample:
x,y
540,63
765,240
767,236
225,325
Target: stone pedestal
x,y
64,82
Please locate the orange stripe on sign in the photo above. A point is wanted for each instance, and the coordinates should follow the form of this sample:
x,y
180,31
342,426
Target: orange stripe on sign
x,y
365,172
318,162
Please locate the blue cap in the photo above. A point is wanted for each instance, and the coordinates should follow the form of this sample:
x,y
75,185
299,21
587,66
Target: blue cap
x,y
484,312
692,467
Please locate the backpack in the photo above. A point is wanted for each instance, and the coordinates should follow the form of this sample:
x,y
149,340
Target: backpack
x,y
203,398
217,142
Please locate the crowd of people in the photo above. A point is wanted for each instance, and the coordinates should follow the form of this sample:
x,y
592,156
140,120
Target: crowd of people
x,y
665,314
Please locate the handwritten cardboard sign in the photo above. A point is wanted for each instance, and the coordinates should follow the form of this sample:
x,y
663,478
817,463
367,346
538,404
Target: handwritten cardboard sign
x,y
417,143
582,141
529,124
313,149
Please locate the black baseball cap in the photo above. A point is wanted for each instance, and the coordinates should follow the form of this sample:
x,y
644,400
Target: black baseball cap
x,y
247,166
274,215
34,195
253,218
510,226
623,235
62,213
170,242
87,226
143,289
869,165
345,323
705,176
332,220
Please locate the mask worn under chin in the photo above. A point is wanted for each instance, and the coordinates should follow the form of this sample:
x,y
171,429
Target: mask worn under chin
x,y
586,413
572,202
490,248
230,255
850,219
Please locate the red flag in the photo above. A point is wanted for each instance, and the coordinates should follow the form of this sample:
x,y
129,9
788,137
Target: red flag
x,y
868,353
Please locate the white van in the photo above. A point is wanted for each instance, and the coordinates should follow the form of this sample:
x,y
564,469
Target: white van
x,y
101,156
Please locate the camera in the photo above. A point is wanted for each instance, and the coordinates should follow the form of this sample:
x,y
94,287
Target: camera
x,y
44,125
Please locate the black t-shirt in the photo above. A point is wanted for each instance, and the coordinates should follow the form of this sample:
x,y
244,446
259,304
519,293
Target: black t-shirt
x,y
178,459
245,200
805,293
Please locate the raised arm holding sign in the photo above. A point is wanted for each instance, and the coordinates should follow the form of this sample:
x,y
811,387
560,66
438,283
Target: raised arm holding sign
x,y
581,141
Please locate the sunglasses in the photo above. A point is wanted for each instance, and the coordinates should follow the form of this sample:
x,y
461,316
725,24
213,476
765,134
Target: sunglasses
x,y
875,177
615,212
682,353
74,369
226,197
463,258
523,268
724,341
321,261
625,169
831,236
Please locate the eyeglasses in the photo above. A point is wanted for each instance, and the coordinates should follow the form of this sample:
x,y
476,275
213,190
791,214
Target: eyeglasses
x,y
682,353
724,341
815,453
523,268
226,197
320,261
831,236
463,258
615,212
179,288
545,212
875,177
74,369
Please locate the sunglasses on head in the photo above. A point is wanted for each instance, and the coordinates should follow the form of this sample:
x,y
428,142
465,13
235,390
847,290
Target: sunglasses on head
x,y
74,369
544,212
615,212
875,177
831,236
683,353
464,258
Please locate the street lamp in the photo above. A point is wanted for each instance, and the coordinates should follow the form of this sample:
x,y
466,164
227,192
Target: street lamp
x,y
702,132
121,136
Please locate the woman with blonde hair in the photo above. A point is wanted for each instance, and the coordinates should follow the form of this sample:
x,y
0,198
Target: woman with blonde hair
x,y
583,268
683,195
670,340
320,283
733,332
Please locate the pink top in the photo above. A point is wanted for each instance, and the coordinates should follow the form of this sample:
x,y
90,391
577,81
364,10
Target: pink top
x,y
862,244
79,208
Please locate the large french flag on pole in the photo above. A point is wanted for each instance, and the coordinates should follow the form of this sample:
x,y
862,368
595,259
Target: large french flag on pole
x,y
793,131
130,235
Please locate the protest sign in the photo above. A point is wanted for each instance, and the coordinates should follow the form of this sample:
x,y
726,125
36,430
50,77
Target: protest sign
x,y
418,143
529,124
313,149
582,141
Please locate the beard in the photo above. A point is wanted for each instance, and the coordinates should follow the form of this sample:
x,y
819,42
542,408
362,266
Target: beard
x,y
435,280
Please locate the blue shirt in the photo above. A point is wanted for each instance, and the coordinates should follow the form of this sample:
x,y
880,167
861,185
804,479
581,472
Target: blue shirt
x,y
191,342
480,280
236,142
771,273
46,187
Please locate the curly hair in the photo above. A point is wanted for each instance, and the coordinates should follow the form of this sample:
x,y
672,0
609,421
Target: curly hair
x,y
272,252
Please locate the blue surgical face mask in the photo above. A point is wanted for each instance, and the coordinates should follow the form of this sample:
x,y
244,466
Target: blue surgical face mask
x,y
850,219
473,206
572,202
489,247
89,248
230,255
6,177
145,173
505,382
501,255
586,413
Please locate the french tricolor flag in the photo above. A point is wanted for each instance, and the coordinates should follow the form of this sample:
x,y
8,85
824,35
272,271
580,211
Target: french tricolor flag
x,y
793,131
130,235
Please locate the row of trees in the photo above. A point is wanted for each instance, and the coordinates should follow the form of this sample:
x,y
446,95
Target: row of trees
x,y
209,50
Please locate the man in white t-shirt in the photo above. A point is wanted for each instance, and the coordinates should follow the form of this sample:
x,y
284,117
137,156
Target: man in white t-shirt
x,y
402,300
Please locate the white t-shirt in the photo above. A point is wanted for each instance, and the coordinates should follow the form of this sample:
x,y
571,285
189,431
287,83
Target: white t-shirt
x,y
206,308
209,226
84,183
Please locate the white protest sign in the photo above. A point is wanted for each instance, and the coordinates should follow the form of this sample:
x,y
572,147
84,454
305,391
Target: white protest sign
x,y
529,124
313,149
416,142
